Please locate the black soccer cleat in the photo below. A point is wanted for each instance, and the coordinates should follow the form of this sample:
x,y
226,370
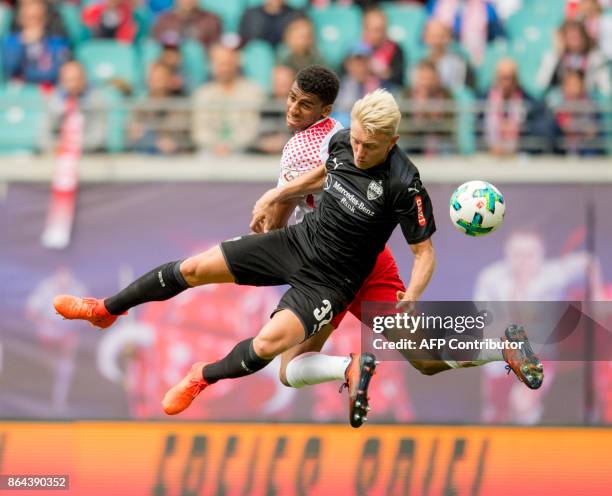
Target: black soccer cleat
x,y
523,361
358,375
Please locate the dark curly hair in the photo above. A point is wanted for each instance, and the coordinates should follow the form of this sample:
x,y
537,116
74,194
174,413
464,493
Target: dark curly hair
x,y
320,81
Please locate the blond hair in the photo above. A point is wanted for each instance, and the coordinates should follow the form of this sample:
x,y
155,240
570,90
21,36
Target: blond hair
x,y
377,112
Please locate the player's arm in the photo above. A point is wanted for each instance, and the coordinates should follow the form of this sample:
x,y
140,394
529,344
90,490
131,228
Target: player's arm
x,y
278,202
415,212
422,269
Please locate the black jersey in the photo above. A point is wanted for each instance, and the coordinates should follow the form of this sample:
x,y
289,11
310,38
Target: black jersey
x,y
358,211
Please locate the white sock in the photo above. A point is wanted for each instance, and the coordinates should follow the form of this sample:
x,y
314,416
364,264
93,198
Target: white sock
x,y
314,368
487,355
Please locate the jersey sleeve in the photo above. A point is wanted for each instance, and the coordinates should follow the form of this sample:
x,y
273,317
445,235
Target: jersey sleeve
x,y
337,144
414,211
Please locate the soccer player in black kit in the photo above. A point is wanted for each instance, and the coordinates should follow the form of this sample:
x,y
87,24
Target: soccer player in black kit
x,y
369,187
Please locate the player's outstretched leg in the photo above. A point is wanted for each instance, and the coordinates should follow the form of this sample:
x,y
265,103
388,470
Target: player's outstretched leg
x,y
304,365
161,283
523,361
283,331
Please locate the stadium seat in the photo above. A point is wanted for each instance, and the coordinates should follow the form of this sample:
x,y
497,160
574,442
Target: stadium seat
x,y
230,12
529,26
22,118
71,17
117,121
195,64
6,17
405,26
258,62
528,57
337,28
106,60
466,120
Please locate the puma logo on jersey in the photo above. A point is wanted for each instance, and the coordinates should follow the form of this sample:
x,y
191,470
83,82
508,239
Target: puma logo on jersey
x,y
413,190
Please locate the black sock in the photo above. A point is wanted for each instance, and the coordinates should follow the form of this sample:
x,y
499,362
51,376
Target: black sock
x,y
241,361
160,284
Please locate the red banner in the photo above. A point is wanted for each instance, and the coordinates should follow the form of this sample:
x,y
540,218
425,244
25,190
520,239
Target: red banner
x,y
172,459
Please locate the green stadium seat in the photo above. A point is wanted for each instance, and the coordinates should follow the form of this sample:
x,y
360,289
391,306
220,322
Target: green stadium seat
x,y
6,17
258,62
195,64
528,57
117,121
71,17
22,118
337,29
405,27
106,60
466,120
230,12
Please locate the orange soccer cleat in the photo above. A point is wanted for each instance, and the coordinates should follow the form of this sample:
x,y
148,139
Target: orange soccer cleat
x,y
180,396
523,361
358,375
90,309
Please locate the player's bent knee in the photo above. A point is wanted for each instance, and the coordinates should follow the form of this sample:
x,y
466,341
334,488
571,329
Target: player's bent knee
x,y
207,267
268,348
282,376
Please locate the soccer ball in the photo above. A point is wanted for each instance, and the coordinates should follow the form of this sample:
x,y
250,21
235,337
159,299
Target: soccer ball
x,y
477,208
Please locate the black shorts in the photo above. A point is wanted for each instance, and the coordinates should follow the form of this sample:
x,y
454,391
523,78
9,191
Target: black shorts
x,y
271,259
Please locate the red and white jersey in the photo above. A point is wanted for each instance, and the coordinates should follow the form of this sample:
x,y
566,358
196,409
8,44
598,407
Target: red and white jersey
x,y
305,151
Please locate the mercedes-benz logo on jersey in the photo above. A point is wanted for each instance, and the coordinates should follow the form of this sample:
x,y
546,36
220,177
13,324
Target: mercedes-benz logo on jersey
x,y
336,163
374,190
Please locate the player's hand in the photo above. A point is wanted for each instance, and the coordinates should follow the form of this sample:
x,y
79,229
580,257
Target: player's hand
x,y
405,302
263,211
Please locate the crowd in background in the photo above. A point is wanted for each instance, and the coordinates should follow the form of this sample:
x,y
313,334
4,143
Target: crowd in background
x,y
231,111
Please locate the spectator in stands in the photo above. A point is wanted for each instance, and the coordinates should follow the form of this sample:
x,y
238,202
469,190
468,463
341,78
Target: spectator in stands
x,y
299,48
511,114
576,118
267,22
172,58
188,21
453,69
597,23
54,26
430,128
387,58
474,23
156,125
358,80
114,19
273,132
575,51
74,94
31,54
226,115
364,4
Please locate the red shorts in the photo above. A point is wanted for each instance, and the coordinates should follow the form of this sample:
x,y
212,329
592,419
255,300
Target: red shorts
x,y
382,284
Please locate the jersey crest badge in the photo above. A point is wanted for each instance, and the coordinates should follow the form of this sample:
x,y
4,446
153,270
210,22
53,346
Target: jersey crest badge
x,y
375,190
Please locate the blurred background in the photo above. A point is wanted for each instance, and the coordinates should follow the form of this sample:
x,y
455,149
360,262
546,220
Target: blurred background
x,y
159,123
